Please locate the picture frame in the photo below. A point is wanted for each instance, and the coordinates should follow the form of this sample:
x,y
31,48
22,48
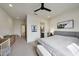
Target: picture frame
x,y
69,24
34,28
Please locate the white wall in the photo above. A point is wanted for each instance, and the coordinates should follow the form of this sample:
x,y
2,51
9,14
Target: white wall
x,y
68,15
6,23
34,20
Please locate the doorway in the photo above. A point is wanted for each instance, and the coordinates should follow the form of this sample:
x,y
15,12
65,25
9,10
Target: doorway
x,y
42,30
23,31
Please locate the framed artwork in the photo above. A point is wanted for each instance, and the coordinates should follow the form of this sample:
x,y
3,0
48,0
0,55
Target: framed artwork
x,y
34,28
69,24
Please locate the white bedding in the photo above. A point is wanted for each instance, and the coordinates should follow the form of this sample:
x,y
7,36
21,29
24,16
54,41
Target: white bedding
x,y
59,44
42,51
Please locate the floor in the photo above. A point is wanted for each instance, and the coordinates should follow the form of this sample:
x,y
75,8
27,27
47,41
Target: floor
x,y
21,48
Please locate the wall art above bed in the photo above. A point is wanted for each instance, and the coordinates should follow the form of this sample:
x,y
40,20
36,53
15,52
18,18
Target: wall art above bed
x,y
69,24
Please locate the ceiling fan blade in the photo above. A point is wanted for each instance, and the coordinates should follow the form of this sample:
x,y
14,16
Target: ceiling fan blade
x,y
47,9
37,10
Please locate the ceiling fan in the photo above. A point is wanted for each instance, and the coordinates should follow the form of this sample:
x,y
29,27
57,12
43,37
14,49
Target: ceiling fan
x,y
42,8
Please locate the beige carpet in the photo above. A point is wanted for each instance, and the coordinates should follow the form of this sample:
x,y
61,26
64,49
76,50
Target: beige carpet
x,y
21,48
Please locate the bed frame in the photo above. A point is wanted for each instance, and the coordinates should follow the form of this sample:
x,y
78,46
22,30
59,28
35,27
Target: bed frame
x,y
67,33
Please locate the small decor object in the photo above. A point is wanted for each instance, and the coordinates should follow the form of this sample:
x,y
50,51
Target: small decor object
x,y
69,24
34,28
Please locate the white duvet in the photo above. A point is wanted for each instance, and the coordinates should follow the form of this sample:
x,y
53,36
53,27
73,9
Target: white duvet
x,y
59,44
43,51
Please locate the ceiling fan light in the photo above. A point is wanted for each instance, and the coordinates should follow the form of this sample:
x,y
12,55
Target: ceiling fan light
x,y
10,5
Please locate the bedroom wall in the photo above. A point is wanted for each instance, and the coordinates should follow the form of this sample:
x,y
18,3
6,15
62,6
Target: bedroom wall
x,y
6,23
34,20
67,15
9,25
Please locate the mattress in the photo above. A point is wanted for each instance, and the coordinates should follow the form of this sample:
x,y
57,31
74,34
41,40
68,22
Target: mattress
x,y
57,44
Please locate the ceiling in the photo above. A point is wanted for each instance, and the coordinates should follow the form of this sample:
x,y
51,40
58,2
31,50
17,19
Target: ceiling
x,y
20,10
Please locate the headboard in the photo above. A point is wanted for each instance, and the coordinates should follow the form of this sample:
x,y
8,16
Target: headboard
x,y
67,33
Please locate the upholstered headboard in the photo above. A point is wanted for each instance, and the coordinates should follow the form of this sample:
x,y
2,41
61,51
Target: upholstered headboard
x,y
67,33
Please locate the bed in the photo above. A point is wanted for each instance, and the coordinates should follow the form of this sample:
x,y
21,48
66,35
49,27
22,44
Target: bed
x,y
61,44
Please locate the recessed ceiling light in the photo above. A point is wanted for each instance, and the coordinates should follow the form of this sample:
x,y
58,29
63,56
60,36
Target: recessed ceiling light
x,y
10,5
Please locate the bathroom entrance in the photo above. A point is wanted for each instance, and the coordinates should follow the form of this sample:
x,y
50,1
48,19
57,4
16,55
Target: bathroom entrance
x,y
42,30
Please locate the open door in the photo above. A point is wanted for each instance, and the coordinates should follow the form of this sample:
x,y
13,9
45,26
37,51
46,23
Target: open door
x,y
42,30
23,31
